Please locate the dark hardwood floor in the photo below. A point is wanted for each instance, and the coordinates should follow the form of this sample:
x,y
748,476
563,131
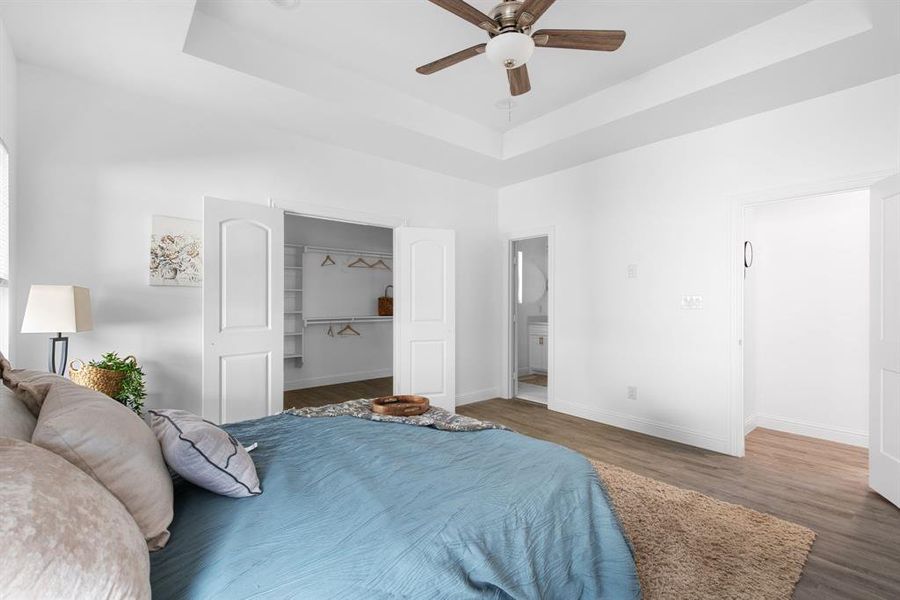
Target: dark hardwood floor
x,y
819,484
340,392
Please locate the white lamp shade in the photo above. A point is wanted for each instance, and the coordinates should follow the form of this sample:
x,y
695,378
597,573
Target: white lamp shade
x,y
57,308
510,50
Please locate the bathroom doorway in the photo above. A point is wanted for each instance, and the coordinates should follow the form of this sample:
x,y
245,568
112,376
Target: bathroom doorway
x,y
529,324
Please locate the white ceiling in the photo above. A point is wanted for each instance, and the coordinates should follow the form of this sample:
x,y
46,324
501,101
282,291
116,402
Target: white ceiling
x,y
342,71
386,41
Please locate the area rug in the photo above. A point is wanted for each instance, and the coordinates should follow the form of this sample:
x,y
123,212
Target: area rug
x,y
687,545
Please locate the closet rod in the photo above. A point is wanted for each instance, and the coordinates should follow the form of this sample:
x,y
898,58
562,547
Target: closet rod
x,y
347,251
327,320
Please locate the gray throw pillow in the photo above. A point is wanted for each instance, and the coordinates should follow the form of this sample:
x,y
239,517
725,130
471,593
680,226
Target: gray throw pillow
x,y
204,454
16,421
114,446
29,386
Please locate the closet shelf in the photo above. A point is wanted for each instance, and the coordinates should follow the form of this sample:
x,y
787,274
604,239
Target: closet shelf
x,y
293,312
293,268
347,252
360,319
293,333
293,289
293,356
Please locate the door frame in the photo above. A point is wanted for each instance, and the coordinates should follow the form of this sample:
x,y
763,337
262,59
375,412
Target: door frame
x,y
357,217
735,256
509,369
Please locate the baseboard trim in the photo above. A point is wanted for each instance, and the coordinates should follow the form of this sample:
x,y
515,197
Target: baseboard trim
x,y
841,435
749,424
477,396
302,384
647,426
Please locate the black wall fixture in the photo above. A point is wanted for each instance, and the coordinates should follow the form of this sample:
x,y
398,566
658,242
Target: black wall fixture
x,y
748,254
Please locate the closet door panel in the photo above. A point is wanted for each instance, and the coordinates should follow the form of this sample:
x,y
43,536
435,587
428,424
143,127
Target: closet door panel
x,y
424,313
243,303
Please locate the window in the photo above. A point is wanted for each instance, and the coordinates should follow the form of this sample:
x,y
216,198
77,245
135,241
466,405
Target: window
x,y
4,249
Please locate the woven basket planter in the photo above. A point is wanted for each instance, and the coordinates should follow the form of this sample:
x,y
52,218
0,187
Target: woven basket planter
x,y
104,381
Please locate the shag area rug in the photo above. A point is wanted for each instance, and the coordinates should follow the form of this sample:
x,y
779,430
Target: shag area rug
x,y
688,545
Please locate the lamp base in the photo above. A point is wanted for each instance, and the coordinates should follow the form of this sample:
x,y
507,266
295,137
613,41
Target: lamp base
x,y
63,343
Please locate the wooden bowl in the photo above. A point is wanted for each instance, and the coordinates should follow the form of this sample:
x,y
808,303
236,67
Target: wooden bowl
x,y
400,406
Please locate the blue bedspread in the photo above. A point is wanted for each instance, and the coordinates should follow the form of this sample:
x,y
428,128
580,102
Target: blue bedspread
x,y
358,509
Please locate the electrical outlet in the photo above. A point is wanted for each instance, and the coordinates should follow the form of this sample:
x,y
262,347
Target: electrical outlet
x,y
632,271
632,392
692,303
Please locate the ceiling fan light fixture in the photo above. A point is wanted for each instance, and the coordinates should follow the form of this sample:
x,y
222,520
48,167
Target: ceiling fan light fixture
x,y
510,50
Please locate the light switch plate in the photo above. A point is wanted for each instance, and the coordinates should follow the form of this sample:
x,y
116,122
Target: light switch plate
x,y
692,303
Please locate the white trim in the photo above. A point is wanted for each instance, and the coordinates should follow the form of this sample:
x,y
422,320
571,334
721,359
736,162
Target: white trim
x,y
841,435
749,424
531,398
734,252
646,426
309,382
507,368
476,396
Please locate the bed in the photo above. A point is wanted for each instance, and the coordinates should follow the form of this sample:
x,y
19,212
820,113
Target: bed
x,y
361,509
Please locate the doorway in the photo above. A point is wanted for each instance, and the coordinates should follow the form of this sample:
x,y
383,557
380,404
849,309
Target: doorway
x,y
338,311
806,316
529,318
244,299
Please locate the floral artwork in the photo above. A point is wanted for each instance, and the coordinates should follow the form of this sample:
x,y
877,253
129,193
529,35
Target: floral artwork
x,y
175,252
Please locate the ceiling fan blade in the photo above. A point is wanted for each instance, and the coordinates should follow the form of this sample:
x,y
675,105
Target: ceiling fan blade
x,y
579,39
518,80
469,13
449,61
531,11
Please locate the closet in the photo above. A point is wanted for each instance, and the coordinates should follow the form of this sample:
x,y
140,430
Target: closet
x,y
338,280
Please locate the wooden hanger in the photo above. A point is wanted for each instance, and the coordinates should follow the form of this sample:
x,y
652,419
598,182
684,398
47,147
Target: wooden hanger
x,y
348,330
330,331
380,264
359,263
328,261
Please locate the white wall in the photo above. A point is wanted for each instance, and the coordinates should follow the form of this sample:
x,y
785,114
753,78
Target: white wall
x,y
669,209
96,163
534,251
8,131
807,317
337,290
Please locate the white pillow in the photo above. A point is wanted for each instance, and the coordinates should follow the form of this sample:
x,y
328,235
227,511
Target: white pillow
x,y
204,454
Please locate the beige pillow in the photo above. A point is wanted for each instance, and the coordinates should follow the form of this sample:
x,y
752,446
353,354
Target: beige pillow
x,y
114,446
16,421
30,387
62,535
204,454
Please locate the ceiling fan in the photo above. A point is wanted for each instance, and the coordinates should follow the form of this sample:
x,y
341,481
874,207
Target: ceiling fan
x,y
512,43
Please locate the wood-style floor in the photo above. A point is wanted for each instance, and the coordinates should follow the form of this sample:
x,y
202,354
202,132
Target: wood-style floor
x,y
819,484
340,392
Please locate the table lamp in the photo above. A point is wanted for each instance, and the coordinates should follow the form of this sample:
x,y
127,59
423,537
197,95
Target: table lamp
x,y
58,309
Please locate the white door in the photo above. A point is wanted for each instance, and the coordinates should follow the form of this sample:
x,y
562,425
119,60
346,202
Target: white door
x,y
425,314
884,341
243,302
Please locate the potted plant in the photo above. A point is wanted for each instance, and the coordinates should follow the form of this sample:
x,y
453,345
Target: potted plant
x,y
120,378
